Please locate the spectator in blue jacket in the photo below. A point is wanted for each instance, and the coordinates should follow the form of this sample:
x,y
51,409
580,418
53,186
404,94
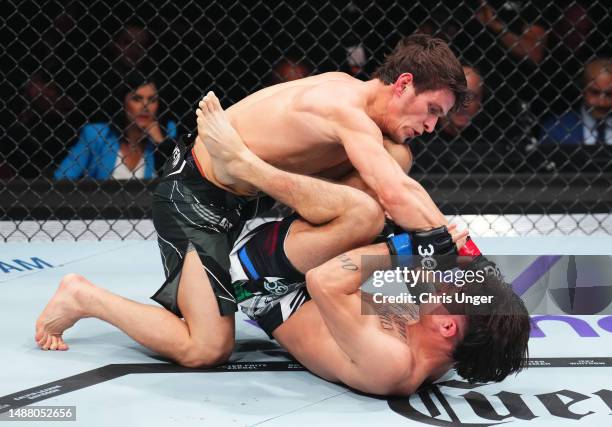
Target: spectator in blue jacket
x,y
132,145
591,124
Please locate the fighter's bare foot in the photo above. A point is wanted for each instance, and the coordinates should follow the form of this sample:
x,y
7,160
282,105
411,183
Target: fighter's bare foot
x,y
223,143
62,311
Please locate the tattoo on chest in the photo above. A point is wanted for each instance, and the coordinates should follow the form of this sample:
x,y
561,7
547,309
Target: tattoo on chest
x,y
347,263
395,317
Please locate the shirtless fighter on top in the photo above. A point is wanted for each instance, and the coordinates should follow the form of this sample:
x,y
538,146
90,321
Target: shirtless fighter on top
x,y
327,125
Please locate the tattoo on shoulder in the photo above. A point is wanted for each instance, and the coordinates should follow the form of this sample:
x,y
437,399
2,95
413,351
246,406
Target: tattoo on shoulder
x,y
347,263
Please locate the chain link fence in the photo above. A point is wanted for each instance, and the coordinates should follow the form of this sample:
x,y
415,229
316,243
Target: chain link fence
x,y
531,155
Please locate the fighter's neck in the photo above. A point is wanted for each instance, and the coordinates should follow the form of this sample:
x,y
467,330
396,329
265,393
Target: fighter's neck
x,y
428,350
377,99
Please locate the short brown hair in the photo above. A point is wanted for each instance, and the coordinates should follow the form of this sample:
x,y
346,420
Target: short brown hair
x,y
432,64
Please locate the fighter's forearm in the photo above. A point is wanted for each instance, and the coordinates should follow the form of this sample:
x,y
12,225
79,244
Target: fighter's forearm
x,y
402,197
411,207
417,211
345,274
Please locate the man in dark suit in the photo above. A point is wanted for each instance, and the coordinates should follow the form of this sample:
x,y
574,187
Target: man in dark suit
x,y
592,123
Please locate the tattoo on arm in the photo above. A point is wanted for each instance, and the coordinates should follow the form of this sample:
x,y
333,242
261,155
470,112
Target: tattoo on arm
x,y
347,263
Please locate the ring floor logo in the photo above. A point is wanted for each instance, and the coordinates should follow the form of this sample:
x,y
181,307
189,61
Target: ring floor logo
x,y
582,327
556,284
20,265
457,403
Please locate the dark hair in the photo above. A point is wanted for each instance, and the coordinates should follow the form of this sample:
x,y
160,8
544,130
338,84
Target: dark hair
x,y
495,342
432,64
129,83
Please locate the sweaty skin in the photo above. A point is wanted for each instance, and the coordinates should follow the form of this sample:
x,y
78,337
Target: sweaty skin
x,y
327,124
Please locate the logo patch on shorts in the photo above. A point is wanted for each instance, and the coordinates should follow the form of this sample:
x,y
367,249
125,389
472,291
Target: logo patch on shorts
x,y
276,285
176,156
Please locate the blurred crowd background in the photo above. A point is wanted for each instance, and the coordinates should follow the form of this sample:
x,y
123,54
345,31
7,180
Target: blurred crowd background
x,y
100,90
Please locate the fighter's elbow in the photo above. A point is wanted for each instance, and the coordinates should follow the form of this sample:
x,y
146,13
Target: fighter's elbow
x,y
323,283
315,281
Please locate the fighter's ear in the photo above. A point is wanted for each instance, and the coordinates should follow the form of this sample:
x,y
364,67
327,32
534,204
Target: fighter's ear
x,y
447,326
402,82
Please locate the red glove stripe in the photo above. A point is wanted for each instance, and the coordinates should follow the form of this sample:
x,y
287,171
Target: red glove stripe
x,y
469,249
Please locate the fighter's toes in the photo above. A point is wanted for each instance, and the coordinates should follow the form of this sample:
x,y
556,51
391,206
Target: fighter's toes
x,y
213,102
205,104
47,344
53,345
41,339
39,333
61,345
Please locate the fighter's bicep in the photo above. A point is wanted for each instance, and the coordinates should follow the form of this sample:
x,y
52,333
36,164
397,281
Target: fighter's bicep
x,y
341,312
379,171
362,140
